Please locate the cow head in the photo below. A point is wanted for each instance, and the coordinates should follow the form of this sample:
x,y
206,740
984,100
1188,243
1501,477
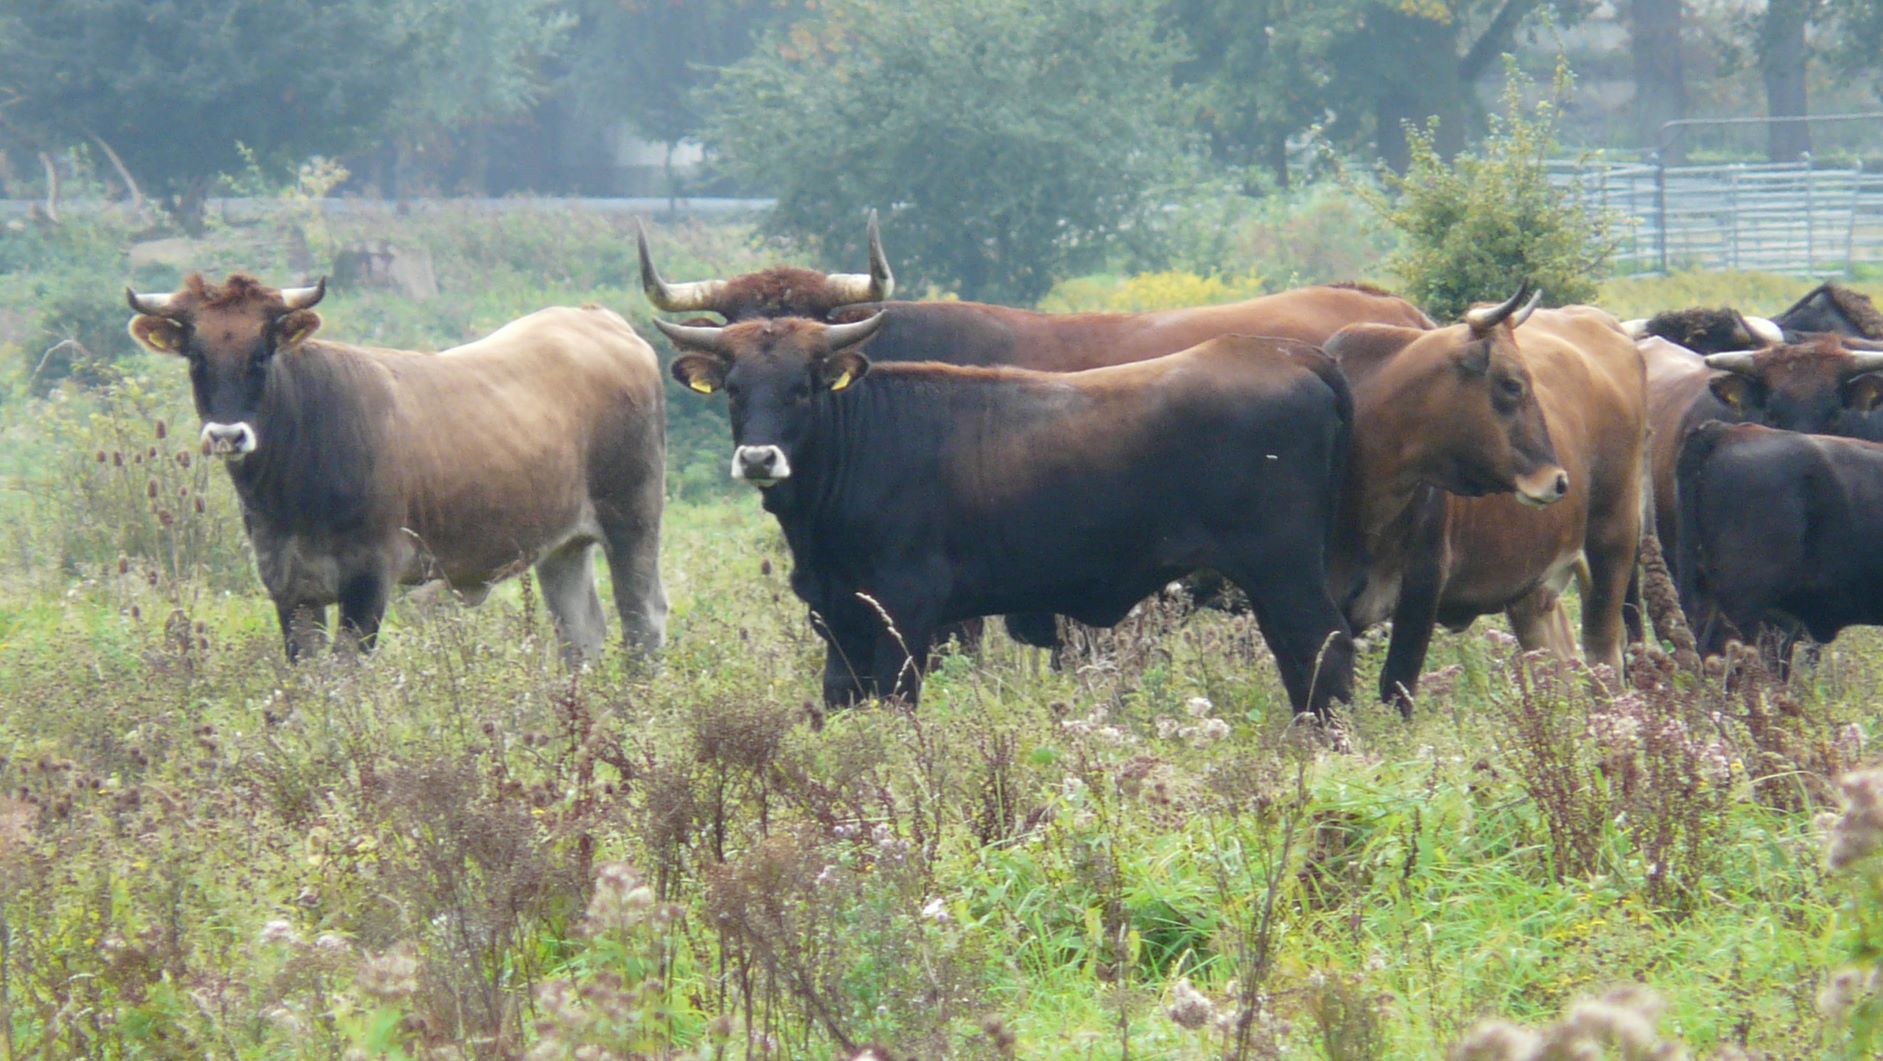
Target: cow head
x,y
1708,331
1817,387
775,373
1455,406
230,334
1831,307
781,291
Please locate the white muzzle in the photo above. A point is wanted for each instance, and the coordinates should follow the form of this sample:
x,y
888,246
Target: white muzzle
x,y
228,440
761,466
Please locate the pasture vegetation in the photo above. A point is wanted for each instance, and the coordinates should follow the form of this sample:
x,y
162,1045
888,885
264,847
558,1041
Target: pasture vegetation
x,y
456,848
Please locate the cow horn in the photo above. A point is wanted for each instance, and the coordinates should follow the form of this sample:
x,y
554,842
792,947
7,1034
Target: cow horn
x,y
1487,317
1739,361
842,335
1865,361
1637,329
878,285
151,305
700,295
1766,331
304,297
695,337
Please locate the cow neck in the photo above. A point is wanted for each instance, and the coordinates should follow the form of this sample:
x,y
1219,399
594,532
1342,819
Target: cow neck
x,y
319,422
1383,474
866,447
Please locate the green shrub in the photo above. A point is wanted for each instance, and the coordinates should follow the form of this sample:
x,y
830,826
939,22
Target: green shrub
x,y
1474,227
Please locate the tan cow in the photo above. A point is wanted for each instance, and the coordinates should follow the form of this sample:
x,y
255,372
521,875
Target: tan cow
x,y
361,468
1494,461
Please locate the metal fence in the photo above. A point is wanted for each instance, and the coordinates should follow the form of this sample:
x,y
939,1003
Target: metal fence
x,y
1790,217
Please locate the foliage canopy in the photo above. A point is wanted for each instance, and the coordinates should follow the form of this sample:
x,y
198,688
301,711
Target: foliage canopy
x,y
1475,226
1005,143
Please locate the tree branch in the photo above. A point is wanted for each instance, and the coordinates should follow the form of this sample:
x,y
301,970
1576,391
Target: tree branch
x,y
1495,39
124,174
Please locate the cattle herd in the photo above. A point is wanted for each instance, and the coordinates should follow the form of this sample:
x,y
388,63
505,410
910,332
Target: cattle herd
x,y
1331,451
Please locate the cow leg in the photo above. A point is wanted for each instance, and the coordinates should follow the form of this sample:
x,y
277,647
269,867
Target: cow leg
x,y
1633,617
849,655
1612,562
632,546
303,627
568,580
1304,630
1038,629
1540,623
362,608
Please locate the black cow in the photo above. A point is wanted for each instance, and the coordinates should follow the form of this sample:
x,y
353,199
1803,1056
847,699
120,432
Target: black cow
x,y
913,495
1835,309
1777,529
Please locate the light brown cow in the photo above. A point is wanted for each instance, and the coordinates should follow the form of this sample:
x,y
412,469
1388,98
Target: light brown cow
x,y
1493,461
361,468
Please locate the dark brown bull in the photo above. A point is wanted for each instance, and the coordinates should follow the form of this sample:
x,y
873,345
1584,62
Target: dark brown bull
x,y
975,333
918,495
1493,461
361,468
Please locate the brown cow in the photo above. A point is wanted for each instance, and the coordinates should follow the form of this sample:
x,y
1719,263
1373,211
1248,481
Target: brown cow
x,y
975,333
1547,406
360,468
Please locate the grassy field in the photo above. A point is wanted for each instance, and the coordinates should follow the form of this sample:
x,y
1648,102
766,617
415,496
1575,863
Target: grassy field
x,y
455,848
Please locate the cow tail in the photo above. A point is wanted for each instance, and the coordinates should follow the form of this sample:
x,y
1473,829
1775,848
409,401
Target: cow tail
x,y
1325,367
1691,574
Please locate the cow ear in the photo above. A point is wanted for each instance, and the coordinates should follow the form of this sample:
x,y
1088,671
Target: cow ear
x,y
842,368
161,334
701,372
1738,392
1864,393
295,328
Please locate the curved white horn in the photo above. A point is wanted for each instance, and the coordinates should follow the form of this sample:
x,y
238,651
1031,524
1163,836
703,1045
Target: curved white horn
x,y
304,297
700,295
1764,330
1740,361
1485,318
842,335
153,305
875,286
1524,311
1637,329
1865,361
695,337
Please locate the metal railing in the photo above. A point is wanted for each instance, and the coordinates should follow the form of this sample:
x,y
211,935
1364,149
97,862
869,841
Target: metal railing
x,y
1790,217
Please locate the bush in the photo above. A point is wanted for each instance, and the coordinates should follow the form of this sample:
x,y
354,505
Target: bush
x,y
1477,225
1172,289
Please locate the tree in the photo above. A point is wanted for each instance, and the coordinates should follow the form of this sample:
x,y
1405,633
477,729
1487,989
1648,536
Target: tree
x,y
1005,143
1400,62
1660,73
476,62
1477,225
1783,56
173,86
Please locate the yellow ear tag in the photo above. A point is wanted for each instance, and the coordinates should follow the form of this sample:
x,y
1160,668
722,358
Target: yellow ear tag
x,y
841,381
700,385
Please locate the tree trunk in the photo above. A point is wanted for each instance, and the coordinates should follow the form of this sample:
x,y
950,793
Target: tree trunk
x,y
1660,77
1782,58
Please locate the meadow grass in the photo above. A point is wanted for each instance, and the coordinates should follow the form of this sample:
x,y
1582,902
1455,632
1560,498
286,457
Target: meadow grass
x,y
457,848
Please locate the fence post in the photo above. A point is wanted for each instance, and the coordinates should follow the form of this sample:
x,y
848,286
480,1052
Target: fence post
x,y
1660,209
1850,227
1811,226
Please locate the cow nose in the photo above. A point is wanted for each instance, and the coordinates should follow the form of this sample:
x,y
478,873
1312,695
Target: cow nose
x,y
228,440
760,465
1544,487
